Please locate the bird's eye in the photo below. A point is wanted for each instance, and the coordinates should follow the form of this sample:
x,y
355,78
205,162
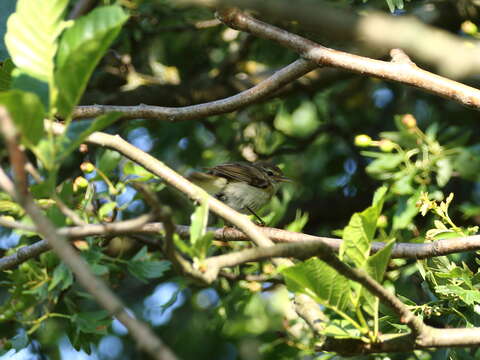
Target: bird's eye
x,y
270,172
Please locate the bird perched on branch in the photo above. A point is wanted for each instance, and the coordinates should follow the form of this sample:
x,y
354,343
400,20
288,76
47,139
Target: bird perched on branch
x,y
245,187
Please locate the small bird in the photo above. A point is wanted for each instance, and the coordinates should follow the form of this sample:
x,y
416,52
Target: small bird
x,y
245,187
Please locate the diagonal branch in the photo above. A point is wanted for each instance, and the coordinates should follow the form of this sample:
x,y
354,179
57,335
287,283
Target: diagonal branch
x,y
404,72
373,29
143,335
265,88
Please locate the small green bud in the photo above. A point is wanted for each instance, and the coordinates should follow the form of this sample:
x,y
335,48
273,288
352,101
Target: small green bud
x,y
79,183
386,145
409,121
469,28
382,222
363,140
87,167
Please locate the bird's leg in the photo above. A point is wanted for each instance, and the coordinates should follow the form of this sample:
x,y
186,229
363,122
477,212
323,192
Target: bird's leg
x,y
262,223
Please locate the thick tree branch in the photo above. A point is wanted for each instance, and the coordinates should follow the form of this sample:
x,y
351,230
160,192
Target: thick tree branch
x,y
404,72
375,30
265,88
140,226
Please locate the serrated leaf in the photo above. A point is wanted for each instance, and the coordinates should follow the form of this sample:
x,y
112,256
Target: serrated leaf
x,y
141,254
61,274
144,270
27,112
358,234
357,237
376,266
99,269
81,48
319,281
95,322
32,33
469,297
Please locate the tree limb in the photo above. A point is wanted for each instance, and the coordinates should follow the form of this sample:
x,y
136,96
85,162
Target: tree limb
x,y
400,71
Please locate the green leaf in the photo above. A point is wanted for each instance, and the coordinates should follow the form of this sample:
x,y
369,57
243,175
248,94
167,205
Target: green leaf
x,y
383,163
357,237
25,82
391,5
27,112
130,168
199,220
6,69
81,48
108,161
301,122
444,171
203,244
376,267
106,209
32,33
183,246
377,263
299,223
469,297
141,254
359,232
61,275
144,270
7,7
99,269
77,132
405,211
379,198
319,281
467,163
95,322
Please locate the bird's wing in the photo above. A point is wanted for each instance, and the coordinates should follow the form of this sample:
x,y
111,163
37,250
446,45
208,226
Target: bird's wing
x,y
236,172
210,183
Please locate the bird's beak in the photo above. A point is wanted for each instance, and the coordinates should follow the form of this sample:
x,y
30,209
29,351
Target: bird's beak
x,y
283,179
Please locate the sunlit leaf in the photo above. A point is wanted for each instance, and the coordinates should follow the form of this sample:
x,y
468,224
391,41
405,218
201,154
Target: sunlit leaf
x,y
81,48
